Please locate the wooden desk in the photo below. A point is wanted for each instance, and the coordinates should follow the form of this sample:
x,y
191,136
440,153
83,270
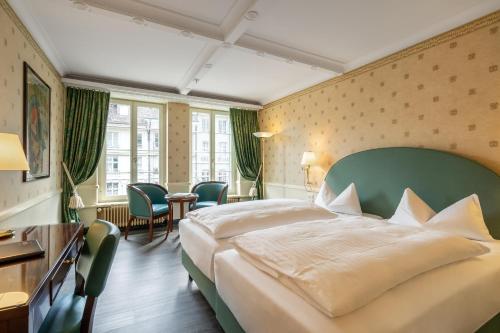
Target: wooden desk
x,y
40,278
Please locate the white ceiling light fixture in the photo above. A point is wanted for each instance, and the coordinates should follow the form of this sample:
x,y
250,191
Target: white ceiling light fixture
x,y
82,5
139,21
187,33
252,15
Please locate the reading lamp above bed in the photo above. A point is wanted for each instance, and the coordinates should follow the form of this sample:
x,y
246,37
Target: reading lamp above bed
x,y
439,178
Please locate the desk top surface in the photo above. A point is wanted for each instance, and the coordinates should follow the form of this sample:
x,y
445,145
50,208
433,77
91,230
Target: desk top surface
x,y
28,275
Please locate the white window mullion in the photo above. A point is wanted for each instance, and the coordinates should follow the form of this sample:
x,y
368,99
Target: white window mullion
x,y
133,144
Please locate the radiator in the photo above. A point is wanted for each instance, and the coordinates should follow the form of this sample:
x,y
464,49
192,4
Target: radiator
x,y
118,215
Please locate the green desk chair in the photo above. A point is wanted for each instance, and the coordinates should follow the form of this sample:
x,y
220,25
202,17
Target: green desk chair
x,y
147,202
75,312
210,194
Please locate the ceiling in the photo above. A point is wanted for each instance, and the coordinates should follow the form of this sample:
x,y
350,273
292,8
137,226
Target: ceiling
x,y
217,48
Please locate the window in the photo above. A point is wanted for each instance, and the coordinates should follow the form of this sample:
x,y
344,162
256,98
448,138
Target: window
x,y
139,140
157,140
111,164
134,148
112,188
211,147
205,146
112,139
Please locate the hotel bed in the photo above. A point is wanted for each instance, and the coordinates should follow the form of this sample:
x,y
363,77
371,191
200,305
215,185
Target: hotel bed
x,y
459,297
246,297
200,242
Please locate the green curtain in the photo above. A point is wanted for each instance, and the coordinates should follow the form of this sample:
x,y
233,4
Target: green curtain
x,y
84,135
244,123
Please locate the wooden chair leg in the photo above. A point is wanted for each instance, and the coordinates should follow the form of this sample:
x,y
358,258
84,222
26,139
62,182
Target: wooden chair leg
x,y
128,226
88,315
167,219
150,229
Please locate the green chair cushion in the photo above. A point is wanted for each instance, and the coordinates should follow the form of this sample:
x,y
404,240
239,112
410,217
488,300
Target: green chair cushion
x,y
204,204
159,209
65,315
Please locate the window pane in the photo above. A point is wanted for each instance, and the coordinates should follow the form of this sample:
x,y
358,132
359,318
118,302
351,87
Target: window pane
x,y
118,149
148,144
200,159
223,163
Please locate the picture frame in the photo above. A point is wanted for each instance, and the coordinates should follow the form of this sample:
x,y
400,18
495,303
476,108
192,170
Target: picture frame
x,y
36,124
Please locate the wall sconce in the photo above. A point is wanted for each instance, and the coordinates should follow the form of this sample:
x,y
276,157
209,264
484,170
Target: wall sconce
x,y
308,158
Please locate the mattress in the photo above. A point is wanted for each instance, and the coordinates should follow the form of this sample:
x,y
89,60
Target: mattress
x,y
201,246
459,297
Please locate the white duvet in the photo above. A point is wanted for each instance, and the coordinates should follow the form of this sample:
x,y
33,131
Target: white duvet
x,y
234,219
340,265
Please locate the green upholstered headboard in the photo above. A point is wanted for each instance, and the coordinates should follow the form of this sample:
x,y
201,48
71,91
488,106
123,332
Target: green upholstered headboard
x,y
438,177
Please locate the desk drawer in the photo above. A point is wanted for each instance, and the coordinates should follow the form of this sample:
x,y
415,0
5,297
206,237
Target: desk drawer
x,y
59,275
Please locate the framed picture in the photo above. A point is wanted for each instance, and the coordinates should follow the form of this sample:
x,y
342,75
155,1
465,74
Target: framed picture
x,y
36,125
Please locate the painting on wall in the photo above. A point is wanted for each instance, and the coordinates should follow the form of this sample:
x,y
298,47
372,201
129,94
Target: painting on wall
x,y
36,125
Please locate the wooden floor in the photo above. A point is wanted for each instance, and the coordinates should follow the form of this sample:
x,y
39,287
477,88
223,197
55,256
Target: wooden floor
x,y
148,291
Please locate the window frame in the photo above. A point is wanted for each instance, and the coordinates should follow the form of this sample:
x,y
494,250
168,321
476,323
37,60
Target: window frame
x,y
212,176
101,173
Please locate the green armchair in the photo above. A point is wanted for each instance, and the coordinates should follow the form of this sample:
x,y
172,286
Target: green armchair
x,y
210,194
147,202
75,312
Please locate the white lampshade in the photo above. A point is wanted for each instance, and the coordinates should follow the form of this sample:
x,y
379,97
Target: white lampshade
x,y
263,134
308,158
11,153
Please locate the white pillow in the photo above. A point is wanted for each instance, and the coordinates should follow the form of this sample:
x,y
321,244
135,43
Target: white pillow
x,y
464,218
411,210
325,196
346,202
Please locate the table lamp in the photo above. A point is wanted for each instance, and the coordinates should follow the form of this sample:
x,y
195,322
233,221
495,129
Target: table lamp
x,y
308,158
12,157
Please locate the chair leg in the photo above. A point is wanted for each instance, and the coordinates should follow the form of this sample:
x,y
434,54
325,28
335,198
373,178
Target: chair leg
x,y
150,229
128,226
168,227
88,315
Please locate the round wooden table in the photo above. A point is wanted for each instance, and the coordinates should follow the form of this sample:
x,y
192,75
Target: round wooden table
x,y
180,198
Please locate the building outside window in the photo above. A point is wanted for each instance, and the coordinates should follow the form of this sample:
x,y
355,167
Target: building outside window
x,y
211,147
112,139
133,153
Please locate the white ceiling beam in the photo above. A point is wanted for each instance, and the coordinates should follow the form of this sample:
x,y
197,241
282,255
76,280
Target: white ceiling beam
x,y
291,54
199,67
160,15
233,27
232,30
235,23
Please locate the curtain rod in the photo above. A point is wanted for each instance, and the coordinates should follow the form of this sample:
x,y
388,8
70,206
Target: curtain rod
x,y
170,97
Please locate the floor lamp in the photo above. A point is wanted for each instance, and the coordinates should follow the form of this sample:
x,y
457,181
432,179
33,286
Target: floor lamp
x,y
261,136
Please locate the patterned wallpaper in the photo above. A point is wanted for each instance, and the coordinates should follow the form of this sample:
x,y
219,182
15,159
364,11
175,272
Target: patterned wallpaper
x,y
443,93
178,143
16,46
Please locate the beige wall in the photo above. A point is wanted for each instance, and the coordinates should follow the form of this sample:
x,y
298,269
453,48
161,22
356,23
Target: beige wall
x,y
443,93
178,147
37,201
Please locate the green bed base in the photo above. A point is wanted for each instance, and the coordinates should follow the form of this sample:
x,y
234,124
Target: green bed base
x,y
223,314
381,175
